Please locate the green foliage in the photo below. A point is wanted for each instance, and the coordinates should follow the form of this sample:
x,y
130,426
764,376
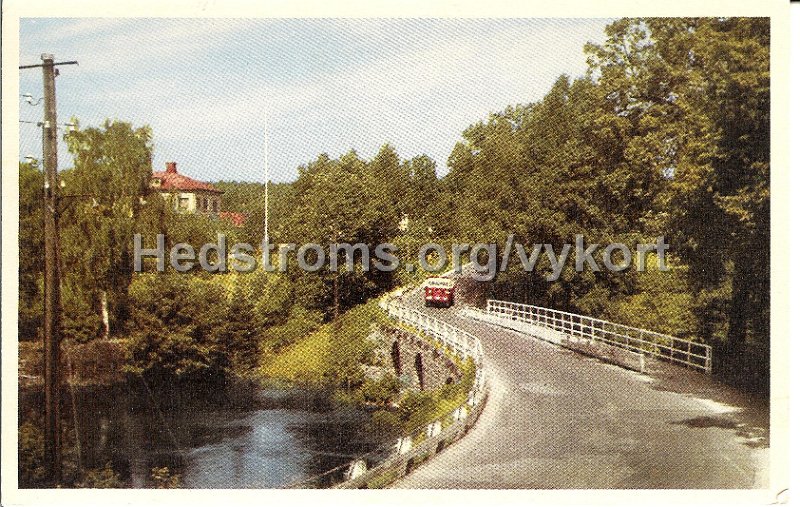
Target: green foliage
x,y
179,325
196,324
351,200
666,134
110,178
80,319
31,250
418,408
31,452
302,362
330,356
210,324
102,478
386,422
301,322
350,349
699,89
381,391
335,204
31,459
163,478
196,230
243,340
248,198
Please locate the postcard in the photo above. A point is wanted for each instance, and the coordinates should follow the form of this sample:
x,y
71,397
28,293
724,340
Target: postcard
x,y
456,252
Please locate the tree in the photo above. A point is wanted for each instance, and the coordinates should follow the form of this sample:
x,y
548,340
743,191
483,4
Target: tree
x,y
107,194
243,338
421,201
248,198
666,135
31,248
342,201
180,326
390,181
731,65
697,93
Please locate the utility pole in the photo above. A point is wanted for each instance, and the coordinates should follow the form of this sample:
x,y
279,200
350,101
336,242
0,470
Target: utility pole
x,y
52,292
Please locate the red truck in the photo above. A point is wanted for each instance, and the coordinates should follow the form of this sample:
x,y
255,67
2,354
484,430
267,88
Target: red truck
x,y
439,291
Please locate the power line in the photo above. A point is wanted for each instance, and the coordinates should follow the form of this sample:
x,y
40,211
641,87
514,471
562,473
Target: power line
x,y
70,126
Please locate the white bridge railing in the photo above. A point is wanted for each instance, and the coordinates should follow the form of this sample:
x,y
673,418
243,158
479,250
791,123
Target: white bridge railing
x,y
463,343
396,459
670,348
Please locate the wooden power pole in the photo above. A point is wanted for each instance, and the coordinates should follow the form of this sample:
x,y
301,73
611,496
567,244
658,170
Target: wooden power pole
x,y
52,284
52,293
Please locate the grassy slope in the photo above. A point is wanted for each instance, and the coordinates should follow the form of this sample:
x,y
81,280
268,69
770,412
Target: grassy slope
x,y
301,362
307,360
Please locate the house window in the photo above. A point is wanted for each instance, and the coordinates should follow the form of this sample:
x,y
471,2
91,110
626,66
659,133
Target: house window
x,y
202,204
216,205
183,203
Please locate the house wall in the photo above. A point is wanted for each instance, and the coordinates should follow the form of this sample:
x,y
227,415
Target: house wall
x,y
194,201
208,202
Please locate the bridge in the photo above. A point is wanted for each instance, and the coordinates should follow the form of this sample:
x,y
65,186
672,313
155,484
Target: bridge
x,y
561,414
566,401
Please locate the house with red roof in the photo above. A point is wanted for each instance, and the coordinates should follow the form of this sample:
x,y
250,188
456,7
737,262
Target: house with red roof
x,y
188,195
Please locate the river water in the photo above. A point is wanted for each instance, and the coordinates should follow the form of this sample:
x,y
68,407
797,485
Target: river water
x,y
234,437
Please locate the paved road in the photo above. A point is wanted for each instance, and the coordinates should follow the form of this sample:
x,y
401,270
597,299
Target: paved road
x,y
557,419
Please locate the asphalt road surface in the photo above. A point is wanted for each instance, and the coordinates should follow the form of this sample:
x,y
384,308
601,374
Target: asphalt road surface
x,y
557,419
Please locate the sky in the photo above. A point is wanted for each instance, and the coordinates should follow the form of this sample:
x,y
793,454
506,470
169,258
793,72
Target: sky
x,y
234,99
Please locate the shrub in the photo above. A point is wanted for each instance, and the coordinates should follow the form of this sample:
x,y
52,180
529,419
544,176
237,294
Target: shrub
x,y
31,451
100,479
163,478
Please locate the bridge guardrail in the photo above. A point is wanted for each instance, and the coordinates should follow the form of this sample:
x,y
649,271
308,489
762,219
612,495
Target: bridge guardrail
x,y
465,344
392,461
651,343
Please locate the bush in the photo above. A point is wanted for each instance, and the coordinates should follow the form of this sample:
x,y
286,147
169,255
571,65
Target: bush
x,y
382,390
100,479
164,479
385,422
31,452
80,320
176,320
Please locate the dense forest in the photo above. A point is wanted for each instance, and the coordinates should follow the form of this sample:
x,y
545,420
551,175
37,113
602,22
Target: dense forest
x,y
666,134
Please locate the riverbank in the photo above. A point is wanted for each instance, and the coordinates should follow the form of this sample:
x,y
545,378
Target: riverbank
x,y
94,363
125,429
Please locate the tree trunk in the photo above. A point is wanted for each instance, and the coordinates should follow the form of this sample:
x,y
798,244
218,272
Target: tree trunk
x,y
336,297
104,313
739,313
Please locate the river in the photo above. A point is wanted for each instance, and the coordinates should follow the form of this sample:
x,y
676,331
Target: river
x,y
236,437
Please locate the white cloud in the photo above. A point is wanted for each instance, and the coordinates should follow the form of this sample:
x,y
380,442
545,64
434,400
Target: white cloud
x,y
106,44
204,87
425,98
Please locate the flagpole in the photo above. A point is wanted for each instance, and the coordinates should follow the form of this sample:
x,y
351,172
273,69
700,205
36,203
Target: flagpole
x,y
266,186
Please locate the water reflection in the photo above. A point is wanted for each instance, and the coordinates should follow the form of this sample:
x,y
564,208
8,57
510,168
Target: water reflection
x,y
227,438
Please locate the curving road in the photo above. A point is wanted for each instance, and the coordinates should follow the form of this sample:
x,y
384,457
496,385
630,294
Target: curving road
x,y
557,419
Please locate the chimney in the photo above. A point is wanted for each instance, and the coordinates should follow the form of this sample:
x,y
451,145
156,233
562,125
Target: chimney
x,y
172,167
